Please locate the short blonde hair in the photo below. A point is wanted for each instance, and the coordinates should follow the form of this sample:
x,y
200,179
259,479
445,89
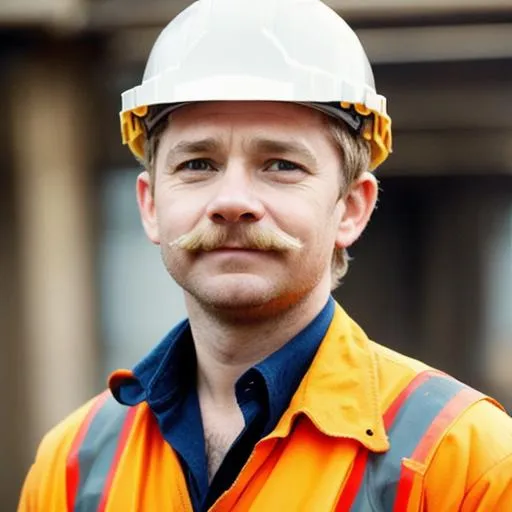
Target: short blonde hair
x,y
355,155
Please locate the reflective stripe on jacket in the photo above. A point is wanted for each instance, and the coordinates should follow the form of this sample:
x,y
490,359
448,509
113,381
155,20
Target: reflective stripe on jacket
x,y
437,446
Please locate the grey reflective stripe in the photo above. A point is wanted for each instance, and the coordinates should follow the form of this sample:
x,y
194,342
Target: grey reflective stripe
x,y
382,474
97,452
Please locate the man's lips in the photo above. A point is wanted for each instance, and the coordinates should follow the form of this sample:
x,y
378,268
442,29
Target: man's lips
x,y
236,249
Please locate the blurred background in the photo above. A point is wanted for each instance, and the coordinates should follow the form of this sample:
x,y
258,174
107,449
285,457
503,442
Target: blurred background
x,y
82,292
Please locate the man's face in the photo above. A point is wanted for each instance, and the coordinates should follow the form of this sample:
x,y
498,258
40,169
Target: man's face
x,y
226,167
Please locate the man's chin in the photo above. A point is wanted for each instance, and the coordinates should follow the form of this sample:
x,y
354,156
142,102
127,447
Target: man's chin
x,y
235,293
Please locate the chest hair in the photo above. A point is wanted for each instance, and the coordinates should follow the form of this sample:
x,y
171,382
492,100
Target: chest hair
x,y
219,434
217,445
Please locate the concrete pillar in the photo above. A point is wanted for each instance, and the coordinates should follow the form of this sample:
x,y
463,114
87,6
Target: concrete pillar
x,y
52,141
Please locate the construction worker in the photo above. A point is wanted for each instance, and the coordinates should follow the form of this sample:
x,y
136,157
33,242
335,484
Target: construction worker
x,y
258,125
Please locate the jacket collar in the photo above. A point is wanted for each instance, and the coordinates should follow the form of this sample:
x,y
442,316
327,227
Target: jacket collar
x,y
340,391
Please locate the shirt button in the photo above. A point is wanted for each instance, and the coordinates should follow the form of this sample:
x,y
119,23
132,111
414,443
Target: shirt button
x,y
249,387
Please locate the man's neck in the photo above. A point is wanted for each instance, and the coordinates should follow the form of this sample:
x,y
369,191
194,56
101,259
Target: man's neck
x,y
226,348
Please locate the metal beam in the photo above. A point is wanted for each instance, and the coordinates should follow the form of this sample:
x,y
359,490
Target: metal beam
x,y
436,44
383,45
132,13
119,14
379,8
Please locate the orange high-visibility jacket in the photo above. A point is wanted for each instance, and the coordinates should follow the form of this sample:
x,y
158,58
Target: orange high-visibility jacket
x,y
367,429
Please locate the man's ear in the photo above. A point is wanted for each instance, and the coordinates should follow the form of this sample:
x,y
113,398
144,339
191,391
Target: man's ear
x,y
359,203
146,203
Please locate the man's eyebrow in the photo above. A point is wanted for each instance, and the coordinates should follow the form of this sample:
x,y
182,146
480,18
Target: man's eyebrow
x,y
280,147
194,146
257,145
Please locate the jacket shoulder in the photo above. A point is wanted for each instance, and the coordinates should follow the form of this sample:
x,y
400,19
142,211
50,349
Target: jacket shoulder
x,y
394,372
45,484
475,455
474,450
483,424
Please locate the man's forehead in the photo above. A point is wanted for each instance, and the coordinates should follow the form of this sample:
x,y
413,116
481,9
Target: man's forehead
x,y
244,121
245,111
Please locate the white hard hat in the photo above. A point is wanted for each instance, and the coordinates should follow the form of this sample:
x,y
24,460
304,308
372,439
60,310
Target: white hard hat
x,y
260,50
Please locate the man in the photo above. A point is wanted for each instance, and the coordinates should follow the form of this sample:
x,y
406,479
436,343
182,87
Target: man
x,y
258,124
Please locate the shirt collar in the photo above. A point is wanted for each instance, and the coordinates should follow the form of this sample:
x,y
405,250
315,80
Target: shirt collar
x,y
161,375
340,392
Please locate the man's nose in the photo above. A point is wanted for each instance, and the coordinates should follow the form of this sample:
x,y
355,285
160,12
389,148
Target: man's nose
x,y
235,199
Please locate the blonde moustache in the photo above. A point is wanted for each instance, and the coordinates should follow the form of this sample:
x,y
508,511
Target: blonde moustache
x,y
213,236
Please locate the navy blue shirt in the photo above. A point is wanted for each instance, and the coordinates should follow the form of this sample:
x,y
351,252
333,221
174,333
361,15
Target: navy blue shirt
x,y
166,379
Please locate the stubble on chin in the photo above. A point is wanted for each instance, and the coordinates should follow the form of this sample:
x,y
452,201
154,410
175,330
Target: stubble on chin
x,y
238,298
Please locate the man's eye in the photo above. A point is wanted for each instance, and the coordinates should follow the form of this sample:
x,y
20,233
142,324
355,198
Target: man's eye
x,y
196,165
284,165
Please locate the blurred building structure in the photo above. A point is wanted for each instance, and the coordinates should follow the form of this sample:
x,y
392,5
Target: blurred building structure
x,y
82,291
